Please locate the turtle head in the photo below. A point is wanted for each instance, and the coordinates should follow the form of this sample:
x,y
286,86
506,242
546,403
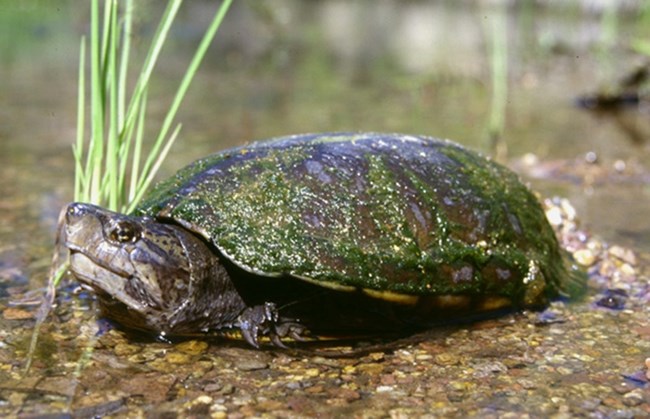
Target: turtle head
x,y
146,274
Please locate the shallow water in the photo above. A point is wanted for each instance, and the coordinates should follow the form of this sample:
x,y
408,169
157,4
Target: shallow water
x,y
418,67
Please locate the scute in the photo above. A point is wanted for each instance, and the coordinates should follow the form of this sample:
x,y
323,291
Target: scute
x,y
400,215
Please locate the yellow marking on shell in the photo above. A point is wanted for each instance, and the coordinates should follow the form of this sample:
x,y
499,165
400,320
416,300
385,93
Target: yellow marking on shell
x,y
463,303
493,303
393,297
331,285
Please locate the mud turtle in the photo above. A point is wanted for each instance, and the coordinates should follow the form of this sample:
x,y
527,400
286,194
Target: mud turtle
x,y
321,232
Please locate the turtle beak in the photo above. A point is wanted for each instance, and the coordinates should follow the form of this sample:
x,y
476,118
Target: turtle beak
x,y
78,227
77,212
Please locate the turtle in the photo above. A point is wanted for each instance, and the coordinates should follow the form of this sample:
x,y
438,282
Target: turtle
x,y
312,234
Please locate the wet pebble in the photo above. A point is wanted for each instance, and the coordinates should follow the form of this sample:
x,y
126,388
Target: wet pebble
x,y
626,255
613,299
633,398
178,358
344,395
446,359
554,216
143,357
329,362
12,313
192,347
609,266
251,364
584,257
124,349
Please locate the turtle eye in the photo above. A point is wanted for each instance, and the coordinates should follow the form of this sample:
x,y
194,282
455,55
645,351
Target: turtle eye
x,y
124,232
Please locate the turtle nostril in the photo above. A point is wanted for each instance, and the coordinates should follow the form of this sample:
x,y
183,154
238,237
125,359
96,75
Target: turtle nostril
x,y
74,210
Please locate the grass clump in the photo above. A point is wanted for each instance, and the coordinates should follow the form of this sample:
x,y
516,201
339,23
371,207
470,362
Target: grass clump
x,y
111,168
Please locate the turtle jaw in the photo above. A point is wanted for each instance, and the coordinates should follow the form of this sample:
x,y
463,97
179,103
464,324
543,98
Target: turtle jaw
x,y
107,283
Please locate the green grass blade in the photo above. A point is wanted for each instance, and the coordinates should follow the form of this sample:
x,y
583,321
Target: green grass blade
x,y
80,179
124,60
151,58
156,165
137,150
148,171
95,149
499,69
114,122
111,169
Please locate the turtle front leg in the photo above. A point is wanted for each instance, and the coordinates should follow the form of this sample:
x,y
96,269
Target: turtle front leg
x,y
265,320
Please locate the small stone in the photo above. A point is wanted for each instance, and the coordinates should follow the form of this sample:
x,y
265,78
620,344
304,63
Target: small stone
x,y
584,257
349,369
315,389
527,384
620,166
622,388
626,255
590,403
203,399
554,216
177,358
12,313
613,299
372,369
212,387
568,209
16,398
227,389
462,385
218,414
388,379
251,364
584,357
633,398
125,349
192,347
377,356
595,245
446,359
627,270
612,402
607,268
296,383
142,357
345,394
270,405
325,361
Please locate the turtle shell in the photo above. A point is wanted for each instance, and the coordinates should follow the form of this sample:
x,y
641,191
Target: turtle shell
x,y
396,216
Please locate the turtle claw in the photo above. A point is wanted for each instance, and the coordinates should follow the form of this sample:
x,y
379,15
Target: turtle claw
x,y
265,320
256,319
275,339
250,334
297,334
